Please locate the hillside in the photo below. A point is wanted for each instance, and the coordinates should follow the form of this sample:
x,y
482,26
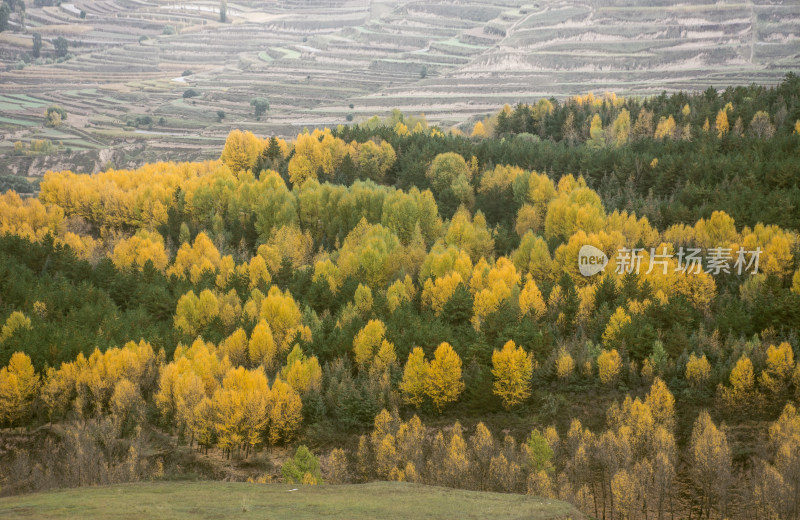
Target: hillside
x,y
130,63
594,300
273,501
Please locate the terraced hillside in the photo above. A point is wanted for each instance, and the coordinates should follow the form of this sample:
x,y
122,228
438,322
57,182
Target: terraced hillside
x,y
324,62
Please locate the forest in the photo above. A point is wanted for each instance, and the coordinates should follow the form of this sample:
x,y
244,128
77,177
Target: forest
x,y
391,300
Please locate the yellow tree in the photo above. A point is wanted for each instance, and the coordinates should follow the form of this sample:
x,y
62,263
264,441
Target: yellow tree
x,y
368,341
192,313
698,370
285,412
126,405
399,292
742,389
19,384
444,383
58,389
401,129
531,301
662,404
303,374
386,458
564,365
622,127
374,160
283,314
415,377
437,292
137,250
235,347
16,321
288,243
780,364
626,492
258,272
180,391
596,134
618,321
512,368
665,128
261,348
482,446
241,405
363,300
609,364
241,150
721,124
196,259
644,125
456,461
710,463
479,131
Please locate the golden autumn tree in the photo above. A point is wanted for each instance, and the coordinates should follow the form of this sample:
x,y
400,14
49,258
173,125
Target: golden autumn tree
x,y
531,302
196,259
482,447
564,364
721,124
437,292
235,347
780,364
19,384
698,370
240,407
596,134
281,311
15,321
512,368
710,465
609,365
479,131
618,321
285,412
261,348
193,313
367,341
399,292
137,250
302,373
456,461
742,379
621,127
241,150
415,377
444,384
662,404
665,128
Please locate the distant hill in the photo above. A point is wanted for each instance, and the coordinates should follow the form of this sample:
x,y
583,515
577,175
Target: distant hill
x,y
327,62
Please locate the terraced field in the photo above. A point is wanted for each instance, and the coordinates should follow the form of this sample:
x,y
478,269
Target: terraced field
x,y
319,62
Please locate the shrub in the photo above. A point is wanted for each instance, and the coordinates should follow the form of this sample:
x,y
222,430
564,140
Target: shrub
x,y
303,468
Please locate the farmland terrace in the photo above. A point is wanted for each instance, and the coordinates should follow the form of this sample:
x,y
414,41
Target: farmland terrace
x,y
133,65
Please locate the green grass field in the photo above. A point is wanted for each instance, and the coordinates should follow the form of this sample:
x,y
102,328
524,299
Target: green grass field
x,y
276,501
